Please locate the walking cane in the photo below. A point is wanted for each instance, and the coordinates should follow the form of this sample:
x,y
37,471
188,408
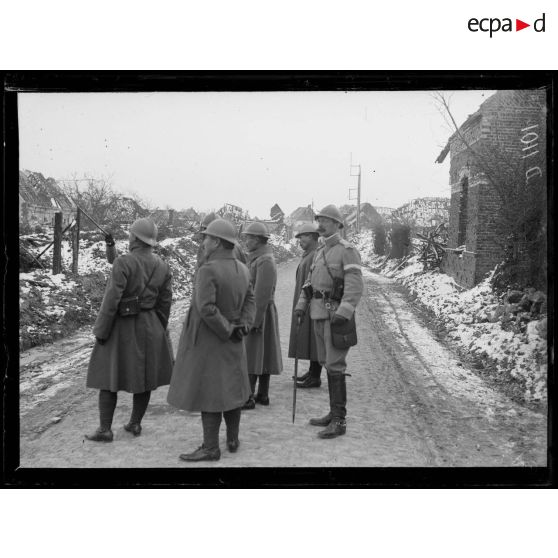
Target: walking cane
x,y
296,367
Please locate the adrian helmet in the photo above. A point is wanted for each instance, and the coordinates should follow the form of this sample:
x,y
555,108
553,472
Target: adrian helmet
x,y
221,228
307,228
331,212
145,230
209,218
257,229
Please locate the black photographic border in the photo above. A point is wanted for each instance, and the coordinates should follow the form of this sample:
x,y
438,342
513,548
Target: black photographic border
x,y
202,81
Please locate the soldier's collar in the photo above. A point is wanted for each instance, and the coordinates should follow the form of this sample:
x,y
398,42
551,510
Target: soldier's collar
x,y
220,254
332,240
260,250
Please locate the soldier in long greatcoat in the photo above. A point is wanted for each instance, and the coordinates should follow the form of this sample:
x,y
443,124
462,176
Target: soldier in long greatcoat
x,y
302,342
210,374
132,353
263,346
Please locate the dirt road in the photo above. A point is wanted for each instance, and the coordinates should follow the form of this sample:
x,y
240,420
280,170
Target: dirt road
x,y
410,403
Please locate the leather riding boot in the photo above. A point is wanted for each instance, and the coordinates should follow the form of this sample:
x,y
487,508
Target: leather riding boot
x,y
325,420
337,425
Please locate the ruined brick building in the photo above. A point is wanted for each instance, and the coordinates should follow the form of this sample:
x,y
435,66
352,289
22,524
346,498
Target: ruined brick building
x,y
40,199
422,213
498,189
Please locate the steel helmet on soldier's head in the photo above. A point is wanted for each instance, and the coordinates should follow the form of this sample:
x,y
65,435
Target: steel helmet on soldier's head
x,y
307,228
209,218
257,229
145,230
331,212
221,228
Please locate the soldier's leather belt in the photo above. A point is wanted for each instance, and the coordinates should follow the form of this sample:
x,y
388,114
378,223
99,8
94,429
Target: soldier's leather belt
x,y
321,294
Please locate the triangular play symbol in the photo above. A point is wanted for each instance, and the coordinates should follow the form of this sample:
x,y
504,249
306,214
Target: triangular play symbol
x,y
519,25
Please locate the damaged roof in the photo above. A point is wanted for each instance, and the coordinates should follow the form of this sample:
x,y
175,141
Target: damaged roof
x,y
35,189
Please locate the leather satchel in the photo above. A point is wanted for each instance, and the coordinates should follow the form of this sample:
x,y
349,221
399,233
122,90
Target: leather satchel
x,y
130,306
344,335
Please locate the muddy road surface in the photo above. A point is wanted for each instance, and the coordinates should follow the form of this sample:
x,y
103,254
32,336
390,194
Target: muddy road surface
x,y
411,403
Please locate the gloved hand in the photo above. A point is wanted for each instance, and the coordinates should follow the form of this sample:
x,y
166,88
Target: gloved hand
x,y
109,240
338,320
299,316
238,333
100,341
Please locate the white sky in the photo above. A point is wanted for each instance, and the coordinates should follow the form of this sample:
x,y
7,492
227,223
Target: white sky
x,y
250,149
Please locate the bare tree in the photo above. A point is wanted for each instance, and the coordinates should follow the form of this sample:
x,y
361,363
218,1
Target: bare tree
x,y
94,195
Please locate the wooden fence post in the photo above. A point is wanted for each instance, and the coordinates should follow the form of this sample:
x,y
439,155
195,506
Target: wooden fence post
x,y
75,247
57,250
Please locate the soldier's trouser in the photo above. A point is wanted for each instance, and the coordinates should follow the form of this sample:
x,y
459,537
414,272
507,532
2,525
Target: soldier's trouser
x,y
334,360
263,384
232,420
211,423
141,401
107,404
315,369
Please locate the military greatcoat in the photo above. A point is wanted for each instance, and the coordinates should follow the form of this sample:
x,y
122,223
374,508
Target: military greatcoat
x,y
136,356
305,346
263,346
210,373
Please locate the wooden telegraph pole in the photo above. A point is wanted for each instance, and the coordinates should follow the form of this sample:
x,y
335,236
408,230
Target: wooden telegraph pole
x,y
358,193
75,246
57,250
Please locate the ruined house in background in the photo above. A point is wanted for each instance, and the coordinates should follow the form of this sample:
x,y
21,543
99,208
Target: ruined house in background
x,y
300,216
369,218
277,214
498,190
40,198
422,214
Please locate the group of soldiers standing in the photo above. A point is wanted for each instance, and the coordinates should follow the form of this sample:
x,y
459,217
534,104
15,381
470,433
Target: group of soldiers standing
x,y
229,346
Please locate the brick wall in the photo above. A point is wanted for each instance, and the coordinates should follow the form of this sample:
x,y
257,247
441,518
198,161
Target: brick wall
x,y
509,132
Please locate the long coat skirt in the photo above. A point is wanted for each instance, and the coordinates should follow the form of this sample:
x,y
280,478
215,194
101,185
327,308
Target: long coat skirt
x,y
136,356
210,372
263,346
302,346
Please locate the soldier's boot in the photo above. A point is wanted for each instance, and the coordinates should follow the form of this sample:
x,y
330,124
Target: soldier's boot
x,y
262,397
337,425
325,420
251,403
313,380
209,450
232,420
107,404
140,403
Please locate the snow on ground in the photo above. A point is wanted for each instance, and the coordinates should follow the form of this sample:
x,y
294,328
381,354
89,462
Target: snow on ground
x,y
472,319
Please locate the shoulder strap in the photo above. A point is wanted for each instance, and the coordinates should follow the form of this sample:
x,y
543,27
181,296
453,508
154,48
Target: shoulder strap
x,y
150,277
327,266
